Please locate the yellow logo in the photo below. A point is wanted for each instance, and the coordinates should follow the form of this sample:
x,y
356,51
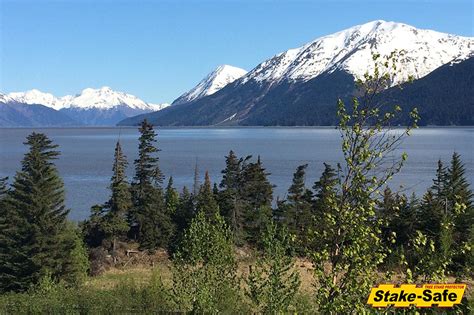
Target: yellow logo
x,y
442,295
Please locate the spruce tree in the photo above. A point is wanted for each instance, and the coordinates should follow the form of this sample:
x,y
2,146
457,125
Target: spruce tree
x,y
185,211
108,222
257,195
171,197
206,202
325,192
434,205
296,211
33,241
460,203
120,202
182,217
230,197
149,219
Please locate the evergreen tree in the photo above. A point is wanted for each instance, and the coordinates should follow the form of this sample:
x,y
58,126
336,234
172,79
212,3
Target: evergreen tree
x,y
171,197
460,203
185,211
149,219
182,217
296,212
257,195
93,227
32,240
3,187
205,200
120,203
230,197
325,192
434,203
109,221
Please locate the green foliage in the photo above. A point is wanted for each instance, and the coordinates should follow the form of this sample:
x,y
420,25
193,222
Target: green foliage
x,y
149,218
230,197
204,274
109,221
349,236
49,297
445,223
34,236
171,197
205,201
274,283
296,213
257,196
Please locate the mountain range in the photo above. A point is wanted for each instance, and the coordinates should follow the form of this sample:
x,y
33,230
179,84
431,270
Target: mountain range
x,y
299,86
102,106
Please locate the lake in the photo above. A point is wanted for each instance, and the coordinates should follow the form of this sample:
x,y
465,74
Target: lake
x,y
87,154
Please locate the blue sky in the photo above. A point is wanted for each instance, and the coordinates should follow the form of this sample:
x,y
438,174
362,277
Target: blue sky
x,y
159,49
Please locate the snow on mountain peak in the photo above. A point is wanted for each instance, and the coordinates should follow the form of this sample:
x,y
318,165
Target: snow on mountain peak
x,y
351,50
103,98
212,83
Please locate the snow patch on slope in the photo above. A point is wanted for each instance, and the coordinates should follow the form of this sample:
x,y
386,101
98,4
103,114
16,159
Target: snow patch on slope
x,y
351,50
212,83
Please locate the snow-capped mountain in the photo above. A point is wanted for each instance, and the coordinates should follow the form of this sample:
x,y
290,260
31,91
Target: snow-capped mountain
x,y
300,86
212,83
102,106
103,98
351,50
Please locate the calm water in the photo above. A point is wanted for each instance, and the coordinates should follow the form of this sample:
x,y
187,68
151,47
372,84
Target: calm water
x,y
86,160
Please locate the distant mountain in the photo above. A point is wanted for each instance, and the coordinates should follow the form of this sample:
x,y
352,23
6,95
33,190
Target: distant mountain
x,y
102,106
300,86
14,114
212,83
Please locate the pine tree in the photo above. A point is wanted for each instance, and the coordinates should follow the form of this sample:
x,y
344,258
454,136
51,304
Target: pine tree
x,y
33,241
206,202
150,222
257,196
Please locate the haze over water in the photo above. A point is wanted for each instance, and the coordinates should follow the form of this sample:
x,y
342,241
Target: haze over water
x,y
87,155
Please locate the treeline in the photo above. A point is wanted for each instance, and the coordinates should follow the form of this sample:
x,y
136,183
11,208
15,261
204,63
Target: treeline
x,y
353,230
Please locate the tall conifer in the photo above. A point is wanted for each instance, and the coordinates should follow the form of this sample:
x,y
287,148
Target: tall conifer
x,y
206,202
257,196
149,219
34,239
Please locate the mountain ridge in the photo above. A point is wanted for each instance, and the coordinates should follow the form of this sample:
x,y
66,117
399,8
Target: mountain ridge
x,y
213,82
297,86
